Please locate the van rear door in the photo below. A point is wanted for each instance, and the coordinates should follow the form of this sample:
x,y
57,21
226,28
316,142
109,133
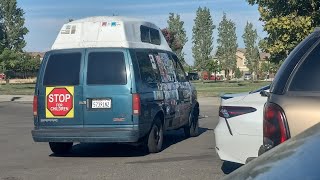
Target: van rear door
x,y
107,88
59,89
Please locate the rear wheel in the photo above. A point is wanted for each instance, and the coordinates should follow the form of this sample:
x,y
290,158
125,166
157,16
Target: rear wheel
x,y
60,148
155,138
192,128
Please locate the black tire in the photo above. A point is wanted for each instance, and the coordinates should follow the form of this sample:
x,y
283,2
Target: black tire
x,y
155,137
60,148
192,128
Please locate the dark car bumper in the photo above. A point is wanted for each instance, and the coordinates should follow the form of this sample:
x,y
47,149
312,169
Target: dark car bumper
x,y
112,135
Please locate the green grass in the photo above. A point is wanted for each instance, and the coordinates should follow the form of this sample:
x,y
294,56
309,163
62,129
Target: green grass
x,y
17,89
218,88
209,88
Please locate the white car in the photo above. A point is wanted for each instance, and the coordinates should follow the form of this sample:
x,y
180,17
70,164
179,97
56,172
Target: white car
x,y
239,133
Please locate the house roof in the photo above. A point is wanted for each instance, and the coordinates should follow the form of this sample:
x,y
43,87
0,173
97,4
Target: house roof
x,y
263,55
34,54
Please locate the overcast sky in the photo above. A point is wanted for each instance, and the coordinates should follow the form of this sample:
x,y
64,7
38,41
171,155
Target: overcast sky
x,y
44,18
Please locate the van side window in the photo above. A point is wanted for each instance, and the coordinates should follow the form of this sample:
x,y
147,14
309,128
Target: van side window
x,y
181,76
166,67
150,35
155,36
62,69
148,69
145,34
106,68
308,70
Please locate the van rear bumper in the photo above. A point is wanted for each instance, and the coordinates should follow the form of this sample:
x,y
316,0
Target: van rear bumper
x,y
110,134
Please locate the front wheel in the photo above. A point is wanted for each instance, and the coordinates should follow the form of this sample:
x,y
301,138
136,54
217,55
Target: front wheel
x,y
155,138
192,128
60,148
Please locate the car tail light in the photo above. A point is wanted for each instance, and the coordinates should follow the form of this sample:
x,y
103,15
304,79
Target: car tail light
x,y
233,111
275,127
136,104
35,105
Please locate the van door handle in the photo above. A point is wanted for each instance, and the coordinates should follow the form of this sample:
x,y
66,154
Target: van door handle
x,y
82,102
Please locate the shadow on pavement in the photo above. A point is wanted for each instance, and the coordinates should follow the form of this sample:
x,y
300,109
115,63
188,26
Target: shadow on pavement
x,y
123,150
228,167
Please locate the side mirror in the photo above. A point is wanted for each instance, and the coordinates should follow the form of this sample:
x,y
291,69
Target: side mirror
x,y
264,93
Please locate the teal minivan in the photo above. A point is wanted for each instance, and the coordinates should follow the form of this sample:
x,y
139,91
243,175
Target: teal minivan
x,y
112,80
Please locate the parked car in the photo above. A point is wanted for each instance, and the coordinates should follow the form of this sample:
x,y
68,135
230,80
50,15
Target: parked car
x,y
215,78
247,76
112,86
297,158
193,76
2,76
239,132
294,99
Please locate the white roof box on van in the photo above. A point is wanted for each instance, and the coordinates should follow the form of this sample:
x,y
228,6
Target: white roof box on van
x,y
113,31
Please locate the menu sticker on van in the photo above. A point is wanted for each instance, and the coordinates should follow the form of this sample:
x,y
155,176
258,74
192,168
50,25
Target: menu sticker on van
x,y
60,102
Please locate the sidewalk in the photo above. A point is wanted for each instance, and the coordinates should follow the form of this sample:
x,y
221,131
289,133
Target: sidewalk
x,y
16,98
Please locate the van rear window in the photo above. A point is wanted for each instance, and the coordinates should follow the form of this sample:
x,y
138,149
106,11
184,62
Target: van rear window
x,y
62,69
107,68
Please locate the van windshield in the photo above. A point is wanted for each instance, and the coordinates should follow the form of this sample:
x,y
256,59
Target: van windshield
x,y
62,69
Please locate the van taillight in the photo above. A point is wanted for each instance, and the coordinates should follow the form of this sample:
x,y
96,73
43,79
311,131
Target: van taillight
x,y
136,104
275,127
35,105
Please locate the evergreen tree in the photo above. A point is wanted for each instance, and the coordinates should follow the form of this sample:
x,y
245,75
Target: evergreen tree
x,y
175,26
202,38
238,73
252,52
227,46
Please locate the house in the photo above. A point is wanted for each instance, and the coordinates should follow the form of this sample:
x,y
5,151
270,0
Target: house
x,y
242,63
35,54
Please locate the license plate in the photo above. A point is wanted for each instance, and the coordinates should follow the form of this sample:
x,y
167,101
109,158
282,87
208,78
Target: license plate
x,y
101,104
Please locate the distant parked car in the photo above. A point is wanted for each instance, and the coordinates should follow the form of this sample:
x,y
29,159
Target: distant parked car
x,y
2,76
247,76
239,131
215,78
193,76
294,99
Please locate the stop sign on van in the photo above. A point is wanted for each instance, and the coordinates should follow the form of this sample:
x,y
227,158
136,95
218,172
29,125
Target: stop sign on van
x,y
59,102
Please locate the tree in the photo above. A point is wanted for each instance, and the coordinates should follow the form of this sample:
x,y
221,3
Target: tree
x,y
268,68
12,35
250,37
202,38
171,39
13,28
213,66
175,26
227,45
287,23
238,73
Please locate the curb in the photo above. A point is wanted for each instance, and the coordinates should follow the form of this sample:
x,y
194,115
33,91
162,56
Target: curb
x,y
16,98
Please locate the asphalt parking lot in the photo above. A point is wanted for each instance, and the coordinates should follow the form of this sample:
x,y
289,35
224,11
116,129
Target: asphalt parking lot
x,y
21,158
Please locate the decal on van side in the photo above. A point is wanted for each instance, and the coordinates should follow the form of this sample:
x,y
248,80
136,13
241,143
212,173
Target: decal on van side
x,y
60,102
153,63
